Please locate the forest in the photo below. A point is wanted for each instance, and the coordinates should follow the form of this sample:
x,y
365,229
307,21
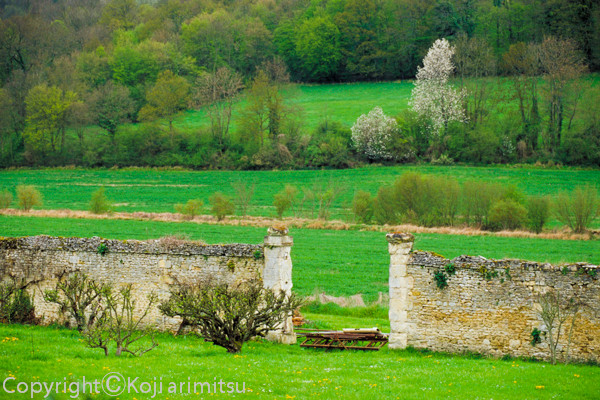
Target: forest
x,y
112,83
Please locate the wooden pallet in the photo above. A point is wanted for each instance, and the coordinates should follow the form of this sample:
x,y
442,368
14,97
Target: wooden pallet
x,y
357,339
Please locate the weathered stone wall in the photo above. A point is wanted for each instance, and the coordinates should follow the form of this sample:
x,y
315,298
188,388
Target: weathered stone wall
x,y
489,306
150,266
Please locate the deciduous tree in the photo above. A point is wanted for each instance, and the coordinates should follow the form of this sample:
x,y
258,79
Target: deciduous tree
x,y
433,97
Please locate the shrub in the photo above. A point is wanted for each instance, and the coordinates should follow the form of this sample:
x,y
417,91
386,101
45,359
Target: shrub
x,y
15,304
507,214
249,311
100,204
28,196
285,199
478,198
190,209
372,134
5,199
577,210
538,211
421,199
385,210
221,205
362,206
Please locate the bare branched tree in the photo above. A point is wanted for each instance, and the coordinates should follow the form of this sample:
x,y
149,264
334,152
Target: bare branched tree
x,y
76,295
562,63
117,322
217,92
230,316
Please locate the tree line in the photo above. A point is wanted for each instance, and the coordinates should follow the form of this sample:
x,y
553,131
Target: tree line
x,y
67,65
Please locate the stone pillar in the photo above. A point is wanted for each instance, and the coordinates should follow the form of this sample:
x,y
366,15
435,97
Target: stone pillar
x,y
277,275
401,283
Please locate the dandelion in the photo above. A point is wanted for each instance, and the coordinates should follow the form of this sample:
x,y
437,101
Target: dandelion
x,y
540,387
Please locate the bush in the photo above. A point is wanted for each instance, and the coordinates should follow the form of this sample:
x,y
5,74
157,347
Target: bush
x,y
538,211
507,214
384,206
5,199
100,204
249,311
221,206
362,206
373,134
285,199
422,199
15,304
577,210
478,198
28,197
190,209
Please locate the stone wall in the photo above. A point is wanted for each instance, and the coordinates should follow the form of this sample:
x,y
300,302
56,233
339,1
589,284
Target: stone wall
x,y
150,266
488,306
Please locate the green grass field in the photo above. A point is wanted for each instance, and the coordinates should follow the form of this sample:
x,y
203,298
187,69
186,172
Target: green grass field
x,y
335,262
334,102
272,371
158,191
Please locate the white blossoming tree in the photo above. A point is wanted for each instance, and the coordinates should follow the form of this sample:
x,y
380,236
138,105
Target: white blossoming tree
x,y
372,135
433,98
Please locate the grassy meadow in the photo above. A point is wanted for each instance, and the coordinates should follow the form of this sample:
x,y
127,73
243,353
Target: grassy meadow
x,y
335,262
334,102
154,190
272,371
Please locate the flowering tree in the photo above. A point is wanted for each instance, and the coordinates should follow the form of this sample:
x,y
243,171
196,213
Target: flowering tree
x,y
372,134
432,97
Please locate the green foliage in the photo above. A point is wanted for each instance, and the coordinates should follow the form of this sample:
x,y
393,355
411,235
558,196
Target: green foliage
x,y
221,205
538,211
190,209
441,279
285,200
536,336
478,199
363,207
450,269
28,197
111,106
47,111
100,204
507,215
16,306
579,209
318,48
168,97
102,249
6,199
